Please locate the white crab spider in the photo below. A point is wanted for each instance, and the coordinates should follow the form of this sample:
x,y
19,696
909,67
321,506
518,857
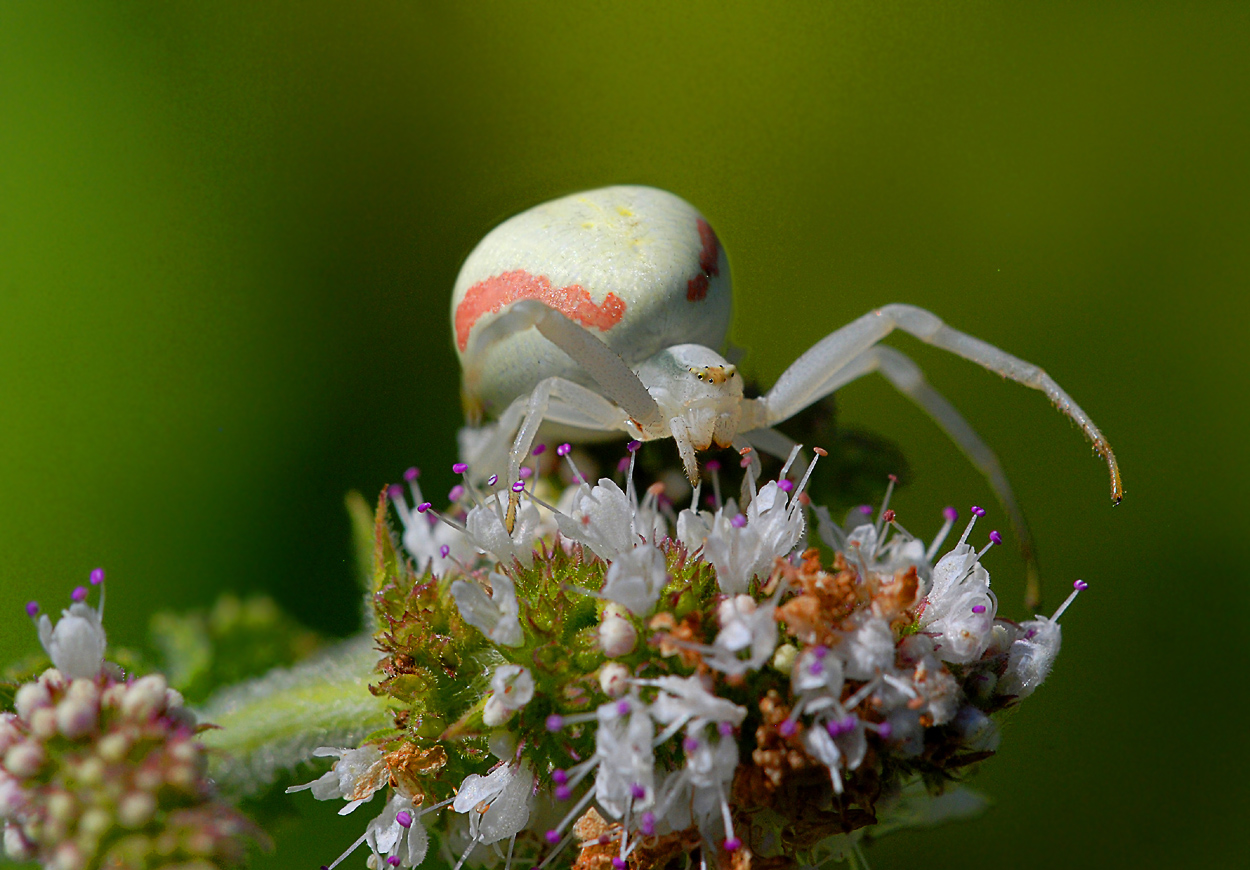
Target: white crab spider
x,y
597,312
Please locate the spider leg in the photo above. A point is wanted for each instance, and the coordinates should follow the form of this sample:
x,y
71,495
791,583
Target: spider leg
x,y
488,449
616,380
819,371
908,379
562,401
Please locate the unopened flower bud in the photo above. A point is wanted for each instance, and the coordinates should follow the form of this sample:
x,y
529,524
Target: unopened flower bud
x,y
95,821
76,713
9,733
30,697
24,760
614,679
145,697
16,846
43,723
617,635
91,771
61,807
784,657
67,857
12,797
136,809
112,748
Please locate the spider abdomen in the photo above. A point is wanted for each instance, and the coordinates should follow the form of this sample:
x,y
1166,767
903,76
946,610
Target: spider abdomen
x,y
637,266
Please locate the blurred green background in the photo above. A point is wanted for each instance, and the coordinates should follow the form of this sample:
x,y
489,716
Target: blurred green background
x,y
228,236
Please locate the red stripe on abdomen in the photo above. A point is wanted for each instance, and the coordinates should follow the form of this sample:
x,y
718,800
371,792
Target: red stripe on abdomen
x,y
709,263
487,297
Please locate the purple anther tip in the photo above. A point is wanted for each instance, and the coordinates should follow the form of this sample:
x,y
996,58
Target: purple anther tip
x,y
785,485
622,708
725,729
820,651
865,509
619,863
623,464
32,608
540,449
444,551
455,493
552,836
564,449
1079,586
412,474
815,668
950,513
79,593
884,730
689,743
559,777
526,472
733,844
738,521
492,480
647,826
97,576
423,507
978,608
404,818
841,726
787,727
978,511
459,467
633,445
563,792
393,860
638,791
555,722
996,538
519,486
712,465
395,492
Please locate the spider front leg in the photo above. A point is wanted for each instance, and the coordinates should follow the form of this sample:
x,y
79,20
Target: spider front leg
x,y
554,399
562,401
819,371
616,381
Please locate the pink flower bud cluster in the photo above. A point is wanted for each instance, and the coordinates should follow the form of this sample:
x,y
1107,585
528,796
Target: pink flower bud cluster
x,y
97,772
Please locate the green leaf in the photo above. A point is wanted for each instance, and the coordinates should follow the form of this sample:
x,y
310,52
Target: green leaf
x,y
272,724
203,651
362,537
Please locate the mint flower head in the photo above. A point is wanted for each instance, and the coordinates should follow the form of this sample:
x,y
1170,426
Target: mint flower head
x,y
101,771
583,674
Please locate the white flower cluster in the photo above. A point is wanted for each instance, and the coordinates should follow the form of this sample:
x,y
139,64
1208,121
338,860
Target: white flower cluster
x,y
882,648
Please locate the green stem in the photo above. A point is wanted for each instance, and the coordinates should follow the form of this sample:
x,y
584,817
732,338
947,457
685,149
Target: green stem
x,y
272,724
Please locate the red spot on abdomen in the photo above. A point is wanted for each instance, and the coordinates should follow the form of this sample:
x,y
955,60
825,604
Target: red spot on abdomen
x,y
487,297
709,263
